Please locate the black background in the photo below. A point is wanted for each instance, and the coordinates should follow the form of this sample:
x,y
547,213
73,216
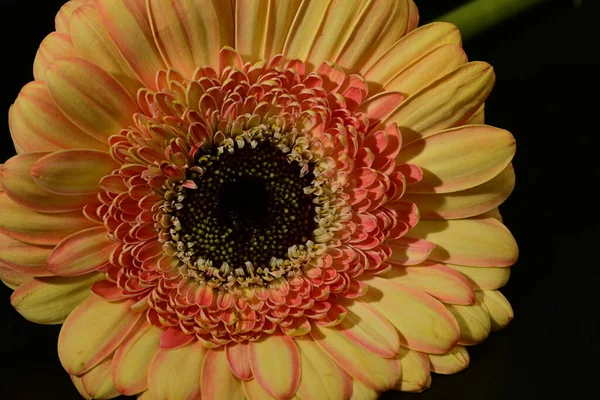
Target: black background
x,y
546,94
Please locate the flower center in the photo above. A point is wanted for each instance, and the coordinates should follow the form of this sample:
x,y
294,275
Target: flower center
x,y
248,209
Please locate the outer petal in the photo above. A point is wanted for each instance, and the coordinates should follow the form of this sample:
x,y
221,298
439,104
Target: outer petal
x,y
484,278
322,378
81,252
275,364
98,382
474,322
54,47
31,227
90,97
362,392
415,371
239,362
423,322
366,327
92,42
465,203
483,242
72,172
427,69
133,358
374,371
280,17
217,380
499,309
447,102
127,23
459,158
11,278
37,124
254,391
51,300
454,361
175,374
21,188
437,280
64,14
189,33
93,331
23,257
380,71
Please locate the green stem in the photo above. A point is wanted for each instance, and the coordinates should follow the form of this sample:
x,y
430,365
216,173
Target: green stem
x,y
480,15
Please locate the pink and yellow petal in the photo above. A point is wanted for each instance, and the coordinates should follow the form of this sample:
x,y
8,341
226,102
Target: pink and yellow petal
x,y
51,300
93,331
13,279
61,21
93,43
499,309
90,97
23,257
435,279
281,14
376,372
72,172
133,358
445,103
21,188
127,24
54,47
415,371
37,124
32,227
466,203
176,374
322,378
239,361
452,362
217,381
81,252
275,364
98,382
360,391
477,242
423,323
474,322
483,278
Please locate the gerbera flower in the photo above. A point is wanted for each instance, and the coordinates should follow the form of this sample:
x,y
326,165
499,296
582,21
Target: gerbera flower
x,y
260,199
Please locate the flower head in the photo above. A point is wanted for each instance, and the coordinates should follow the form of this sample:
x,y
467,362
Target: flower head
x,y
256,199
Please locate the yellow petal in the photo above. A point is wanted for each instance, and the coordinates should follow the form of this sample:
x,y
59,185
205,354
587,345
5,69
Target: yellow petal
x,y
477,242
275,364
93,331
90,97
98,381
11,278
254,390
361,391
415,371
459,158
445,103
483,278
82,252
499,309
423,322
134,357
478,118
24,257
379,71
32,227
73,172
37,124
454,361
217,380
92,42
474,322
322,378
188,32
127,23
78,383
281,14
51,300
374,371
54,47
175,374
368,328
465,203
435,279
21,188
427,69
65,12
